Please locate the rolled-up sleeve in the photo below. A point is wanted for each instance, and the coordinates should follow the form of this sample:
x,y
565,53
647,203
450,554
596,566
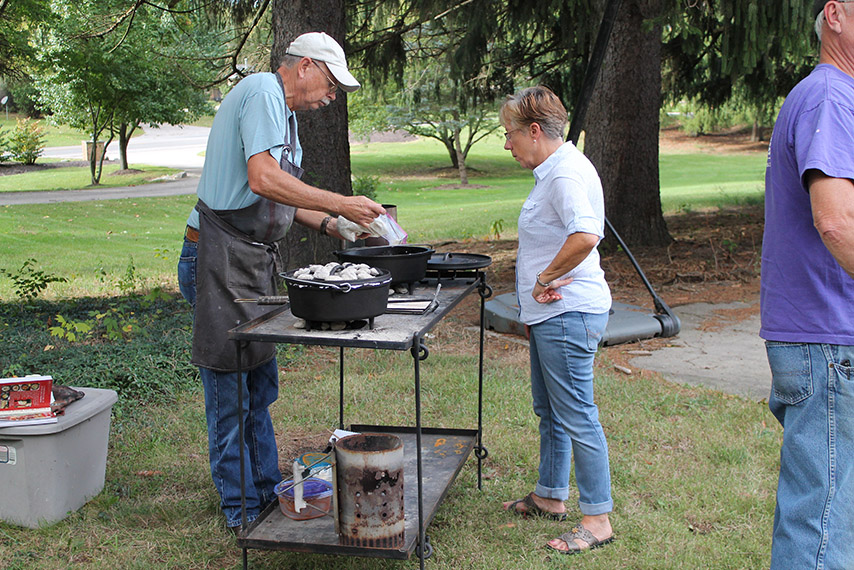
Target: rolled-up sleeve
x,y
573,207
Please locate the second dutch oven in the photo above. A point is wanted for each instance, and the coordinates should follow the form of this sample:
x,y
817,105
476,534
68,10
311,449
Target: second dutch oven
x,y
406,263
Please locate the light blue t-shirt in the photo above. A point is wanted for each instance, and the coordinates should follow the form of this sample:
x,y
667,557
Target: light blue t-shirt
x,y
252,118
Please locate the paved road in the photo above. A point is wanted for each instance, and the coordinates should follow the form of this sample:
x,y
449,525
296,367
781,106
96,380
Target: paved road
x,y
175,147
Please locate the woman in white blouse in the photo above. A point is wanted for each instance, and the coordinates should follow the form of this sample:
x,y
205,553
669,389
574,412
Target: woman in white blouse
x,y
564,303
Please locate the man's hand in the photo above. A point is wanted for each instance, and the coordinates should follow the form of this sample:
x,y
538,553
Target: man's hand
x,y
332,230
360,209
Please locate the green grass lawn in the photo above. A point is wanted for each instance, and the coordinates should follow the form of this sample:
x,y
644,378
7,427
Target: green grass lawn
x,y
95,245
416,177
711,181
693,470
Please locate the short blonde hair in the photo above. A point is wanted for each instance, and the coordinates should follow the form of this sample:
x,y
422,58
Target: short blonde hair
x,y
535,105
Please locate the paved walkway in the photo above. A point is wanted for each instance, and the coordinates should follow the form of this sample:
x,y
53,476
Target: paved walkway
x,y
185,185
174,146
716,350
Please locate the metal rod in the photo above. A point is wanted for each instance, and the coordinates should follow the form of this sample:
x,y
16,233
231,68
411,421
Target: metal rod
x,y
591,76
660,306
341,387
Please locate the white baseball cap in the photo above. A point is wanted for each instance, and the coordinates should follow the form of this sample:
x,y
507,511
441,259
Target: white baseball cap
x,y
319,46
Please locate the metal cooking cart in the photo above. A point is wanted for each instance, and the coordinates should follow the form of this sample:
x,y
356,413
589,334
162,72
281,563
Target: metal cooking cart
x,y
438,451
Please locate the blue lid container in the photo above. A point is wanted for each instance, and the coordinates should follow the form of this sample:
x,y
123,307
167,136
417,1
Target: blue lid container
x,y
311,489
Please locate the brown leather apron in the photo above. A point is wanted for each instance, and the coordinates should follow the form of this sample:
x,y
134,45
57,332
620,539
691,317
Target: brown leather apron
x,y
238,258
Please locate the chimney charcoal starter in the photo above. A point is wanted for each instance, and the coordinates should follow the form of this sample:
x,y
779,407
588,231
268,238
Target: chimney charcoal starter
x,y
370,490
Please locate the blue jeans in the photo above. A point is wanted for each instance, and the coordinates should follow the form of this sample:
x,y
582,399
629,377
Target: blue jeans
x,y
562,352
261,459
812,396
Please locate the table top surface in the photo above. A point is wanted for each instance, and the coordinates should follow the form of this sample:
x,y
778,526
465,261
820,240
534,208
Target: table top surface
x,y
390,331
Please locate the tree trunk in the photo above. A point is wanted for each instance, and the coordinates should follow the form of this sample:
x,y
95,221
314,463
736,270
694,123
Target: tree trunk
x,y
452,152
756,132
461,158
124,138
96,161
323,133
94,173
623,122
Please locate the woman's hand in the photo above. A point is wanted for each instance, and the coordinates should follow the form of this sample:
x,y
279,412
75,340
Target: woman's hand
x,y
549,294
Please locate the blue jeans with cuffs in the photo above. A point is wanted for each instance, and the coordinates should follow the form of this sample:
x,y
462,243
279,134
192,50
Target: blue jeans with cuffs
x,y
562,352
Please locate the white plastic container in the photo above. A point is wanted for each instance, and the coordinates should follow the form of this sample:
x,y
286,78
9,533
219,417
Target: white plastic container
x,y
48,471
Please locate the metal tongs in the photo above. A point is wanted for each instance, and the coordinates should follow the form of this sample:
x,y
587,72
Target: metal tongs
x,y
271,300
434,304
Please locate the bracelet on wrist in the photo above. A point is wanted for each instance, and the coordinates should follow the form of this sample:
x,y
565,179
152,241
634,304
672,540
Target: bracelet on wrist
x,y
540,283
323,225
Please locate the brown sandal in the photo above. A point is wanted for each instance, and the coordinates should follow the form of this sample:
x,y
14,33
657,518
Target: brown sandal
x,y
533,510
580,533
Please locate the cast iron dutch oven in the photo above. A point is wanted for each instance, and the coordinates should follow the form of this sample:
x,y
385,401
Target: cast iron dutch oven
x,y
334,301
407,263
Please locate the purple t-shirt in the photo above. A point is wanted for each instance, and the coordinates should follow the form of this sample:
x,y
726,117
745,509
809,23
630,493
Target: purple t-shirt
x,y
805,295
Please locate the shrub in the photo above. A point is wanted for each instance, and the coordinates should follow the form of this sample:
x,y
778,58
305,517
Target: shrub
x,y
29,281
366,186
149,365
4,147
27,141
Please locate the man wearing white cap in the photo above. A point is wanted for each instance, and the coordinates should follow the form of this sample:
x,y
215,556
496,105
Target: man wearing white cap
x,y
249,194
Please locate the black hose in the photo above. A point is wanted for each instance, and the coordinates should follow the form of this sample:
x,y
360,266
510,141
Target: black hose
x,y
670,323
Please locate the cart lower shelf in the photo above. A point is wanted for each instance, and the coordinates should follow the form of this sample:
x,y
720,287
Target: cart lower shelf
x,y
443,453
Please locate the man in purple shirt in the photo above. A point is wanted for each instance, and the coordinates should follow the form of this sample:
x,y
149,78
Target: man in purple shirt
x,y
807,303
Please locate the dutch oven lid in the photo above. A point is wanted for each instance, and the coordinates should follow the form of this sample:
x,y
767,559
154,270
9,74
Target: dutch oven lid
x,y
450,261
385,251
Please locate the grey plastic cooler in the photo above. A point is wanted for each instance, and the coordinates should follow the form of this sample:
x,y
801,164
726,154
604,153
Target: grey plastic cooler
x,y
48,471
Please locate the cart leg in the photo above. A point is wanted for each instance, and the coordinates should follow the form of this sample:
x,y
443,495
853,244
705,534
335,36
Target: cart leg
x,y
480,451
428,548
417,348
